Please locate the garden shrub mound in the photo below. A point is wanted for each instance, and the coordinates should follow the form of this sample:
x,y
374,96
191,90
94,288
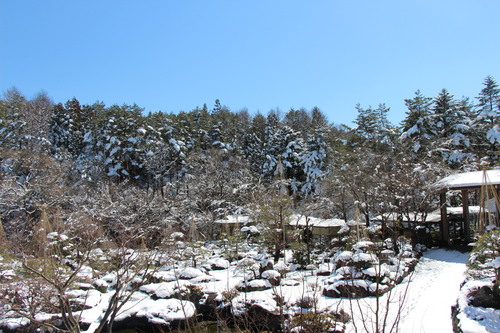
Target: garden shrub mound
x,y
478,304
370,269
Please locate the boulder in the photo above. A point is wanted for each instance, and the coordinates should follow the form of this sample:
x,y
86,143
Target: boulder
x,y
486,298
254,285
260,319
348,288
274,277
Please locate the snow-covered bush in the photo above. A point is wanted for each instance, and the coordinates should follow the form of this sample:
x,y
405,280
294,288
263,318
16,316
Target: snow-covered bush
x,y
478,304
369,269
310,322
484,260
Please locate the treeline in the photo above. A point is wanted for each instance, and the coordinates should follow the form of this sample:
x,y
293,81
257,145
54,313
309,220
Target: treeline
x,y
117,163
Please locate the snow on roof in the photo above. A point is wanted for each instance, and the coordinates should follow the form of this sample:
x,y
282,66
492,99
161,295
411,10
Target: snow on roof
x,y
434,216
459,210
300,220
430,217
468,179
234,219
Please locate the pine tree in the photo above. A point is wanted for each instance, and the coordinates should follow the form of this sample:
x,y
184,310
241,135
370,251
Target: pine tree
x,y
366,121
298,120
489,99
415,127
373,126
486,121
12,123
418,111
450,128
313,162
68,126
459,138
117,147
283,143
318,119
442,116
252,145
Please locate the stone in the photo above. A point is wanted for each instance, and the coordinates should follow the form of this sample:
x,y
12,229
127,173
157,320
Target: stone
x,y
486,298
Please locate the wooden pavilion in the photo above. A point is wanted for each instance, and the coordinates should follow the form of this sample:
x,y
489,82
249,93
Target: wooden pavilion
x,y
487,184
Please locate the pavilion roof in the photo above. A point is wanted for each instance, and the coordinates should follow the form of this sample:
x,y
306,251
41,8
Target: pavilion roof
x,y
467,180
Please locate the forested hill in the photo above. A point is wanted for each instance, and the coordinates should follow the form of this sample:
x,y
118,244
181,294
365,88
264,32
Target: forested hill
x,y
116,162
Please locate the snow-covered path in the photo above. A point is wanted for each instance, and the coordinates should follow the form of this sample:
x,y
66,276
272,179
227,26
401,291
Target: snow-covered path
x,y
433,290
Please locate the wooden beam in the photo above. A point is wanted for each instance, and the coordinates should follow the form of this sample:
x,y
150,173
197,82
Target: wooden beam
x,y
444,224
465,215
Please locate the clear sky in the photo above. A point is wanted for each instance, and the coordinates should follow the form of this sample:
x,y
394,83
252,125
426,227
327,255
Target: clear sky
x,y
260,55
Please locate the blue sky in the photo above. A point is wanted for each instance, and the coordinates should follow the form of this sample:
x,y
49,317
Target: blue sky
x,y
260,55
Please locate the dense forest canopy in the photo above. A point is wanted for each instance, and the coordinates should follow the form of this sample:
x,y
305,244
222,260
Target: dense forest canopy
x,y
117,166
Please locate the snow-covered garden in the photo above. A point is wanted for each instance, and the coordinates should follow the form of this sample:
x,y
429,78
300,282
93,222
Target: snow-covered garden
x,y
366,286
180,284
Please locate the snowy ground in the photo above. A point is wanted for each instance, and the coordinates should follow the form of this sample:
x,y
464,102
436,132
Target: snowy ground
x,y
431,292
434,291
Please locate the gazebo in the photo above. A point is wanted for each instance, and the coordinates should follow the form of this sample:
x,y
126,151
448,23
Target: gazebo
x,y
487,182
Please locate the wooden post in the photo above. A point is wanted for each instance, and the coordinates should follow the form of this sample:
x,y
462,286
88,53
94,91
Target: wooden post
x,y
3,237
497,202
444,225
465,214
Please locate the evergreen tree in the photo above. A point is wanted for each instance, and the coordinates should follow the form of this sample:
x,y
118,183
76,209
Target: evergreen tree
x,y
318,119
489,99
366,121
12,123
373,125
253,144
313,162
298,120
442,116
283,143
450,129
416,127
68,126
486,120
459,138
217,107
117,144
418,111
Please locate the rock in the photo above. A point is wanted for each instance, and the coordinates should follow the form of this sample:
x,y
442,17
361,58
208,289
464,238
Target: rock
x,y
486,298
155,315
282,268
290,282
274,277
324,270
190,273
348,288
163,276
211,307
254,285
159,290
262,319
220,264
204,278
342,258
